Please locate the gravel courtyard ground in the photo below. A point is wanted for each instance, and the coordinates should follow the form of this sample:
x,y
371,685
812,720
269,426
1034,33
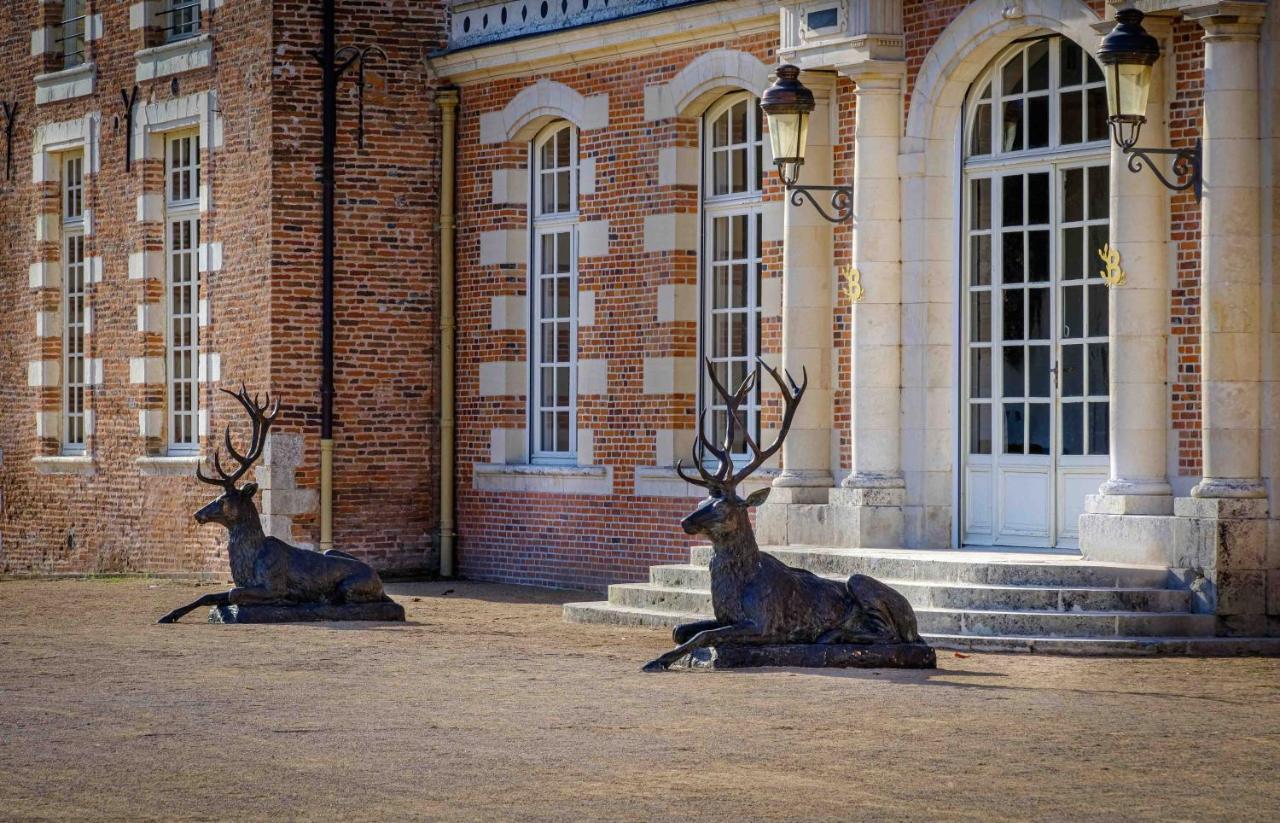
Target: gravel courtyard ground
x,y
486,706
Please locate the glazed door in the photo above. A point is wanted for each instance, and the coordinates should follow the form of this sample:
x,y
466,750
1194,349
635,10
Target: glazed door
x,y
1035,324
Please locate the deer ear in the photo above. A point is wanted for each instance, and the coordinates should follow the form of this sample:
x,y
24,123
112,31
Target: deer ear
x,y
758,497
248,489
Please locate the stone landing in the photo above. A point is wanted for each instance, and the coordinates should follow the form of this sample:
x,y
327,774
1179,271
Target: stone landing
x,y
1026,601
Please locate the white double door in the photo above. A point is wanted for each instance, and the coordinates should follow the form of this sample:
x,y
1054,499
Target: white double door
x,y
1035,355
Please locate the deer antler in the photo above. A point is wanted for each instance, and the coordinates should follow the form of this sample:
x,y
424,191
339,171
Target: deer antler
x,y
260,420
725,480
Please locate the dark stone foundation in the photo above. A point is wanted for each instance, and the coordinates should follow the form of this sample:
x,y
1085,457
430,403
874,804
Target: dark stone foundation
x,y
379,610
811,656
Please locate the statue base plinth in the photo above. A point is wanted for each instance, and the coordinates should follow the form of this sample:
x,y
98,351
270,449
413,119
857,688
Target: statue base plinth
x,y
380,610
811,656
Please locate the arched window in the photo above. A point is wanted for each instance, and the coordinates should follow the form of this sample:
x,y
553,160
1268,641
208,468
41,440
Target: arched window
x,y
553,288
1035,311
731,205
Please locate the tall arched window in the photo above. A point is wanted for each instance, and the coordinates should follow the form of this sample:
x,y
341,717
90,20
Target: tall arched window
x,y
1035,311
732,163
553,287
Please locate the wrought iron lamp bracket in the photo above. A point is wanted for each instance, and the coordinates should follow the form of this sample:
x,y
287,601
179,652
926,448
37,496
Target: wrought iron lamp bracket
x,y
841,201
343,59
1186,163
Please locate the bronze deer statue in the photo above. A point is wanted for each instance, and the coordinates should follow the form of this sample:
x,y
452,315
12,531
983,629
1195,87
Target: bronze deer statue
x,y
757,599
268,571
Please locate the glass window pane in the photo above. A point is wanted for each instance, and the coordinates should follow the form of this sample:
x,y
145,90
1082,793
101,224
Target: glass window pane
x,y
1038,371
1099,191
1072,311
1094,70
1073,428
738,235
980,260
1011,126
1072,370
1014,376
1038,314
720,172
1097,310
1013,428
1037,122
1098,237
980,372
1038,262
980,317
1070,118
1038,198
980,428
1011,75
1072,254
1073,195
1011,193
1099,437
1070,64
980,203
1012,253
1012,306
1038,66
980,141
1098,369
1038,429
1097,117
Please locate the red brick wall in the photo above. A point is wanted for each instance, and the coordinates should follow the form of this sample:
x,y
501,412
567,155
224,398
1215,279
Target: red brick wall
x,y
386,276
118,520
574,540
264,303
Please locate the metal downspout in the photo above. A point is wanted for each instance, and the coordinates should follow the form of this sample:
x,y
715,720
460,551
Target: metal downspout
x,y
329,125
448,100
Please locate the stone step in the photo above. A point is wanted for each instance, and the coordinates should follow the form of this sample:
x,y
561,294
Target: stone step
x,y
975,596
981,622
991,568
609,613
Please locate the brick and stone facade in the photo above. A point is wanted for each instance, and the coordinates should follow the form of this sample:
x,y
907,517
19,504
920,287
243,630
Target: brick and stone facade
x,y
878,311
245,85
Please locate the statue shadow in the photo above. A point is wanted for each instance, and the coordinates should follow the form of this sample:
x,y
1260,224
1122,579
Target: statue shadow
x,y
923,677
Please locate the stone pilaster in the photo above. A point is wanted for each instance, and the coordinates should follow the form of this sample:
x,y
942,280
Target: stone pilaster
x,y
869,510
806,319
1231,252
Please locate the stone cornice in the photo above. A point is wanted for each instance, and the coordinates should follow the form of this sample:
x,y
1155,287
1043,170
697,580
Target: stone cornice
x,y
614,39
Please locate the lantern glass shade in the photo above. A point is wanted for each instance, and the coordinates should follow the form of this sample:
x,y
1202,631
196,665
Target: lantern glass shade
x,y
788,134
1128,86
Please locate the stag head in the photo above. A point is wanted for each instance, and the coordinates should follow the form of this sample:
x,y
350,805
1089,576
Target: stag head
x,y
724,514
235,504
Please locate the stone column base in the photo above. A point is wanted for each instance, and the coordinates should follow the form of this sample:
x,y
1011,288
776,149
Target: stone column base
x,y
1226,539
867,518
794,514
1128,528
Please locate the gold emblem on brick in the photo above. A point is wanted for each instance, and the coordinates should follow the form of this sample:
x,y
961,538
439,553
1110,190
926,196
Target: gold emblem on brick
x,y
851,284
1112,275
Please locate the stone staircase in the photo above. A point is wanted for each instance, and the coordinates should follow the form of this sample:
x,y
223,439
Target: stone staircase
x,y
1026,601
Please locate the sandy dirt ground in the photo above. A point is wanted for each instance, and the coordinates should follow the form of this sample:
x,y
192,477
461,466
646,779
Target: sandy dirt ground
x,y
485,705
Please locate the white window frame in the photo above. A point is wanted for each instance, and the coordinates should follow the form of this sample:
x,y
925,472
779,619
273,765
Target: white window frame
x,y
182,19
750,205
71,33
182,210
75,278
544,224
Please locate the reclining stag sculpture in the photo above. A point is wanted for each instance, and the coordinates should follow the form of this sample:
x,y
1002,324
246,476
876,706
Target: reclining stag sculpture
x,y
757,599
268,571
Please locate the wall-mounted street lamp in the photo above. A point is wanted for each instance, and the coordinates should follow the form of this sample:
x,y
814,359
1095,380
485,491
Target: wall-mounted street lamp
x,y
1127,54
788,104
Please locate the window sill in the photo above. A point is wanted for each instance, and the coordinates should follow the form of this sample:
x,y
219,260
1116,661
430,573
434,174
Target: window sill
x,y
183,465
81,464
662,481
543,478
66,84
174,58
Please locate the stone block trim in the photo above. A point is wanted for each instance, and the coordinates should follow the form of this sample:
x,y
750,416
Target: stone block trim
x,y
704,79
539,104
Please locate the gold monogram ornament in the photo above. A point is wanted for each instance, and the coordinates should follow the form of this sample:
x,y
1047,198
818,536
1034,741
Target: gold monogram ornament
x,y
851,284
1113,275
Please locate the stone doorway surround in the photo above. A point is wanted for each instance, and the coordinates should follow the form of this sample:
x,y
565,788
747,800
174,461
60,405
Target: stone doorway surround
x,y
903,489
